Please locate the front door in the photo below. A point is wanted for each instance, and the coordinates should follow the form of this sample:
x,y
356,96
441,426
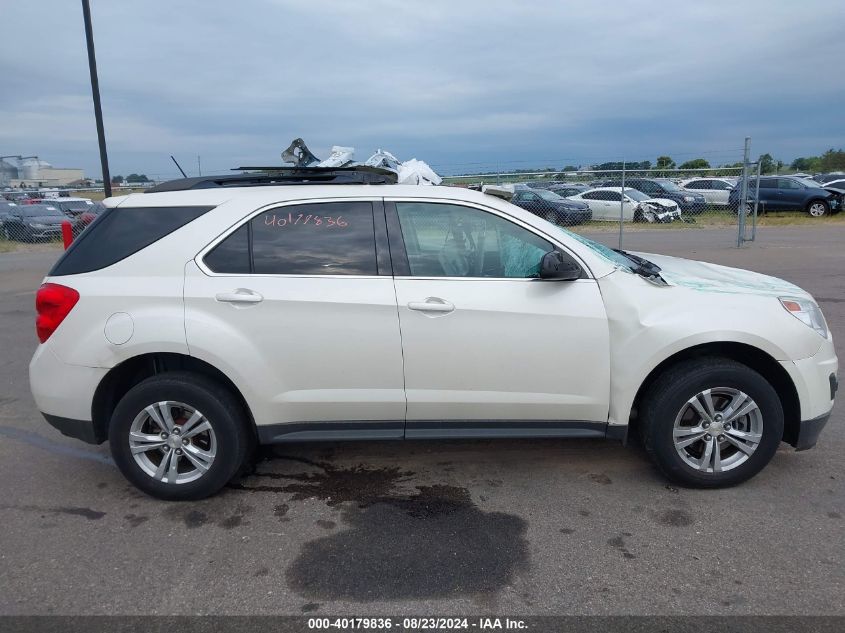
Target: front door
x,y
487,346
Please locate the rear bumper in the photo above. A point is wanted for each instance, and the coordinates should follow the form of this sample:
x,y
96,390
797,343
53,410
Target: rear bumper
x,y
78,429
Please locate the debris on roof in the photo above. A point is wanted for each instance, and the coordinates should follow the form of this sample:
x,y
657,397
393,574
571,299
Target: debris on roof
x,y
340,157
410,172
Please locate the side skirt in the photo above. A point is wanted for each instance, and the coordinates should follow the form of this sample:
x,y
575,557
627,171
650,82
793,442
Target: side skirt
x,y
434,429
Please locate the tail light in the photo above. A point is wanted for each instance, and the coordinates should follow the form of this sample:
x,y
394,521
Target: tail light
x,y
53,303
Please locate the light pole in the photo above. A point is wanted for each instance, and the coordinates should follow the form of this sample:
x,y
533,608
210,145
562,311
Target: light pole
x,y
95,92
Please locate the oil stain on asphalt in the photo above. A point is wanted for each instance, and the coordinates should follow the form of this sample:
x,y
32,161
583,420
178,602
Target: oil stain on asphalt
x,y
431,542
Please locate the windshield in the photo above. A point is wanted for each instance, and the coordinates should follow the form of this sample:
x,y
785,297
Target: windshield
x,y
634,194
617,259
807,182
40,211
551,196
668,185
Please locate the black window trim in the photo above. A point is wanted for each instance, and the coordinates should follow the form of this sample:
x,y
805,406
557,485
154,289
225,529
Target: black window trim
x,y
379,228
399,256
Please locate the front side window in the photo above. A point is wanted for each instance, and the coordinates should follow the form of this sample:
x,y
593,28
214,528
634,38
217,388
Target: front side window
x,y
445,240
332,238
786,183
698,184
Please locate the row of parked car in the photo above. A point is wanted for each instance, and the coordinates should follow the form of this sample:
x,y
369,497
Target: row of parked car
x,y
33,219
665,200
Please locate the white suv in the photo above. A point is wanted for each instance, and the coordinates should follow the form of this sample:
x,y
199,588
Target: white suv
x,y
190,322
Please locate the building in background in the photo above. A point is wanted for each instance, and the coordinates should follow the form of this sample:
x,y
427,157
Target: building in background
x,y
31,171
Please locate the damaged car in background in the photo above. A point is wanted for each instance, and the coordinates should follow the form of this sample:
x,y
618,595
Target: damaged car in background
x,y
551,207
605,203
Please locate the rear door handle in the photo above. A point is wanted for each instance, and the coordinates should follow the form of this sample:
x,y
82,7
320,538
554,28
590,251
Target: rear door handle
x,y
431,304
241,295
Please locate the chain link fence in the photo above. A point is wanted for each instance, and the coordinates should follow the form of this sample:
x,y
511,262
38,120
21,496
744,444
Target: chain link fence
x,y
615,197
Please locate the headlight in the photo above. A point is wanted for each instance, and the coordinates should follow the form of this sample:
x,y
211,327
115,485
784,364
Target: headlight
x,y
807,312
688,199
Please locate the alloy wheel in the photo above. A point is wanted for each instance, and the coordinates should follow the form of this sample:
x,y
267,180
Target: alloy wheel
x,y
172,442
718,429
817,209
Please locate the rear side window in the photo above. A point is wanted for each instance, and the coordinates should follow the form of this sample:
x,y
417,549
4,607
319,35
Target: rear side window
x,y
120,232
332,238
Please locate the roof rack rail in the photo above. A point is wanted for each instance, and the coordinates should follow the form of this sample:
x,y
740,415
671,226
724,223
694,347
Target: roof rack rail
x,y
275,176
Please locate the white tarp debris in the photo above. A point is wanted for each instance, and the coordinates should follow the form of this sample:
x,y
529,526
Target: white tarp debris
x,y
340,157
411,172
384,160
417,172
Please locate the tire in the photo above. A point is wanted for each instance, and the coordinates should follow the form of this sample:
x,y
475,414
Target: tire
x,y
818,208
667,412
7,234
551,217
227,437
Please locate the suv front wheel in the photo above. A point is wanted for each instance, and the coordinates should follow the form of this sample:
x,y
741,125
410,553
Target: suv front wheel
x,y
818,208
179,436
711,422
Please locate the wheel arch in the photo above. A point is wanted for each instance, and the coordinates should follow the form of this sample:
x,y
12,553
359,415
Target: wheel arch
x,y
814,199
748,355
121,378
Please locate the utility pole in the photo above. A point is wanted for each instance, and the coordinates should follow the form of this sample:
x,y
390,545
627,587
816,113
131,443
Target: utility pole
x,y
95,93
199,165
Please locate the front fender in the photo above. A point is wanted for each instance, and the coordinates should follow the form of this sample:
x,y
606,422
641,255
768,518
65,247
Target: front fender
x,y
649,324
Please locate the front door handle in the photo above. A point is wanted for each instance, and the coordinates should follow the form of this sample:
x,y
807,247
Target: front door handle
x,y
431,304
241,295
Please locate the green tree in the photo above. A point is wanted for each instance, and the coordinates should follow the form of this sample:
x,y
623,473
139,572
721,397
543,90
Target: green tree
x,y
809,164
664,162
767,164
697,163
832,160
116,180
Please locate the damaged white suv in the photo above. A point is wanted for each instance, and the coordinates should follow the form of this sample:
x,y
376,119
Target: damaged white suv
x,y
190,322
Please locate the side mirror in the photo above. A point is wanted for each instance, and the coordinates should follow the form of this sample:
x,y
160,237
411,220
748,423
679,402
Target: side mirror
x,y
554,266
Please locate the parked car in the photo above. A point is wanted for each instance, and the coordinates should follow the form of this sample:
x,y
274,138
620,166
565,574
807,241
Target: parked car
x,y
552,207
827,178
566,190
188,323
714,190
787,193
835,184
72,207
605,203
85,218
6,209
30,222
688,202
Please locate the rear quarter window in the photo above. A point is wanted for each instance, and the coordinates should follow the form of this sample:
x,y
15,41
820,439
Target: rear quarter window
x,y
120,232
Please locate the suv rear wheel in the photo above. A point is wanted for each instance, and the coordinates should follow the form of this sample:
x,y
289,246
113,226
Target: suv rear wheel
x,y
179,436
711,422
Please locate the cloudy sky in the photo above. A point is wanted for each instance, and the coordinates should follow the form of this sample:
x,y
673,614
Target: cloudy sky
x,y
465,85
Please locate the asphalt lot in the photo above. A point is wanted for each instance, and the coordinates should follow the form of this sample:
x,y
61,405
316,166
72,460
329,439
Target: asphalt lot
x,y
443,528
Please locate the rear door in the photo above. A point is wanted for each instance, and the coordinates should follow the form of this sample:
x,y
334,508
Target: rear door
x,y
488,347
792,194
297,306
